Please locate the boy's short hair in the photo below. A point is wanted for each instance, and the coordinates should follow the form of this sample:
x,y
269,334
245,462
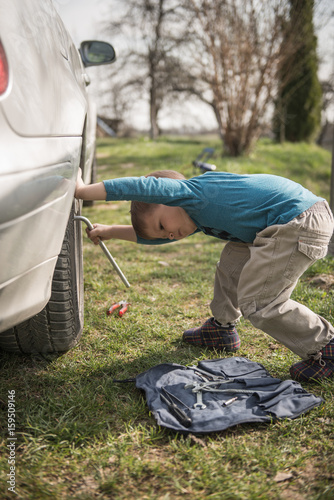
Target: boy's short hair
x,y
140,208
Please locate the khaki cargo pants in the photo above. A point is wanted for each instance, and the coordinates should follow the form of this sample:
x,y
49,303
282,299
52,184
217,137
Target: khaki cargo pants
x,y
256,280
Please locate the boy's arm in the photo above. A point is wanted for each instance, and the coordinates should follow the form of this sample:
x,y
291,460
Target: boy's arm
x,y
103,232
90,191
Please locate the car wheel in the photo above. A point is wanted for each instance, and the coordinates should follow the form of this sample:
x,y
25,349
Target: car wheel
x,y
58,327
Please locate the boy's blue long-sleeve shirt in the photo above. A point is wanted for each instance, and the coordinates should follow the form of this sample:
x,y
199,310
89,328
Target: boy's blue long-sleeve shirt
x,y
222,204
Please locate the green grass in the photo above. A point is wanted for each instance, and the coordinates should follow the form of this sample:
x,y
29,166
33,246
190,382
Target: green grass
x,y
81,436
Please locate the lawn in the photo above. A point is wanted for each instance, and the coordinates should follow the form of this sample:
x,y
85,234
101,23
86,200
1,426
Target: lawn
x,y
81,436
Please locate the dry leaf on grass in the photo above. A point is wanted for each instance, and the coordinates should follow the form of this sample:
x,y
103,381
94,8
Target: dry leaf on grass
x,y
282,476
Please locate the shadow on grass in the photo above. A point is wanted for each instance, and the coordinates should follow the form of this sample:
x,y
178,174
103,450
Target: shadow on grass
x,y
72,399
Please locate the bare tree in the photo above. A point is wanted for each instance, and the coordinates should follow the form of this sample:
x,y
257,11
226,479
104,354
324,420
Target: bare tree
x,y
147,27
236,47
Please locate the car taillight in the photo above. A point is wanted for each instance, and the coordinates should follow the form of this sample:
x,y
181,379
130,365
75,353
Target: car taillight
x,y
4,72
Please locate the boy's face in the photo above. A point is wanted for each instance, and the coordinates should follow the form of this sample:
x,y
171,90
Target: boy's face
x,y
169,223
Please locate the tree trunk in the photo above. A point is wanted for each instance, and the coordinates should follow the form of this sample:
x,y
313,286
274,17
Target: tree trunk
x,y
331,198
154,130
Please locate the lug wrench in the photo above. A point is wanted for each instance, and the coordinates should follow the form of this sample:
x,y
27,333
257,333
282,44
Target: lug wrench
x,y
105,249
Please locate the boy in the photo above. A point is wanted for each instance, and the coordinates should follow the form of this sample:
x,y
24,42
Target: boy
x,y
275,230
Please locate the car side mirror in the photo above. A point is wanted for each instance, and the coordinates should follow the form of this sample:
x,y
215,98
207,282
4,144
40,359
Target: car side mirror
x,y
95,53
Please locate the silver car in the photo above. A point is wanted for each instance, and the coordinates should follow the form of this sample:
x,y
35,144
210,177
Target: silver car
x,y
47,127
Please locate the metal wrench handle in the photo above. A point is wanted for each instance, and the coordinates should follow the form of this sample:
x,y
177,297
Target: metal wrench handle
x,y
105,250
210,375
199,401
212,387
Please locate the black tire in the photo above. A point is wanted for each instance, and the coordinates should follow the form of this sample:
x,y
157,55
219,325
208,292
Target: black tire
x,y
58,327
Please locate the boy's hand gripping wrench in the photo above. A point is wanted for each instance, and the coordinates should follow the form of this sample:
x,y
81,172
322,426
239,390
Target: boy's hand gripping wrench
x,y
105,249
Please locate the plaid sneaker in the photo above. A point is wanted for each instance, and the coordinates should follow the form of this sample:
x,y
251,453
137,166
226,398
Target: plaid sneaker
x,y
328,351
212,335
316,367
312,369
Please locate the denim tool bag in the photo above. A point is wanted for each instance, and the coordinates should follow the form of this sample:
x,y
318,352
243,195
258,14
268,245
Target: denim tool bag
x,y
220,393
